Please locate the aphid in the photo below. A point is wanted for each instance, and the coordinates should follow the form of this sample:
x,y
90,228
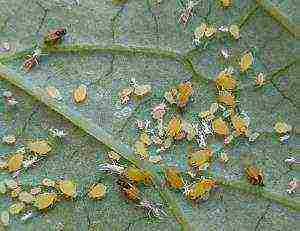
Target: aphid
x,y
137,175
129,190
254,176
199,190
152,209
32,60
260,79
187,13
200,158
54,36
173,178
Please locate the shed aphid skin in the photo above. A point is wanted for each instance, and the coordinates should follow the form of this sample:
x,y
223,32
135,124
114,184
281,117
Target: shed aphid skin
x,y
111,168
32,60
187,13
54,36
199,190
152,209
254,176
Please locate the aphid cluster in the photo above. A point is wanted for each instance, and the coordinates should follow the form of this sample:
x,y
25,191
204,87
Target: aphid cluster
x,y
128,179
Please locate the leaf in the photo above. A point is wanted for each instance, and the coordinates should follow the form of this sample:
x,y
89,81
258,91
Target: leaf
x,y
45,200
67,187
40,147
174,127
246,61
97,191
16,208
4,217
234,30
15,162
220,127
80,94
141,149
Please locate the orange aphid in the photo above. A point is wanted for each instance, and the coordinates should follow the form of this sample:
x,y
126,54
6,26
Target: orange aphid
x,y
174,127
255,176
173,178
239,124
129,190
184,92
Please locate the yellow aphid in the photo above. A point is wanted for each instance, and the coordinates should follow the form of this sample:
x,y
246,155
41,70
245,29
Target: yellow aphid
x,y
67,187
220,127
174,127
45,200
15,162
184,92
210,31
142,90
144,137
234,30
228,100
80,94
97,191
225,81
141,150
40,147
246,61
282,127
226,3
199,159
173,178
16,208
239,125
200,31
200,189
138,175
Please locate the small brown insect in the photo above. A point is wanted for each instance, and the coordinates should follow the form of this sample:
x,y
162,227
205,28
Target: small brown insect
x,y
54,36
173,178
32,60
254,176
129,190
